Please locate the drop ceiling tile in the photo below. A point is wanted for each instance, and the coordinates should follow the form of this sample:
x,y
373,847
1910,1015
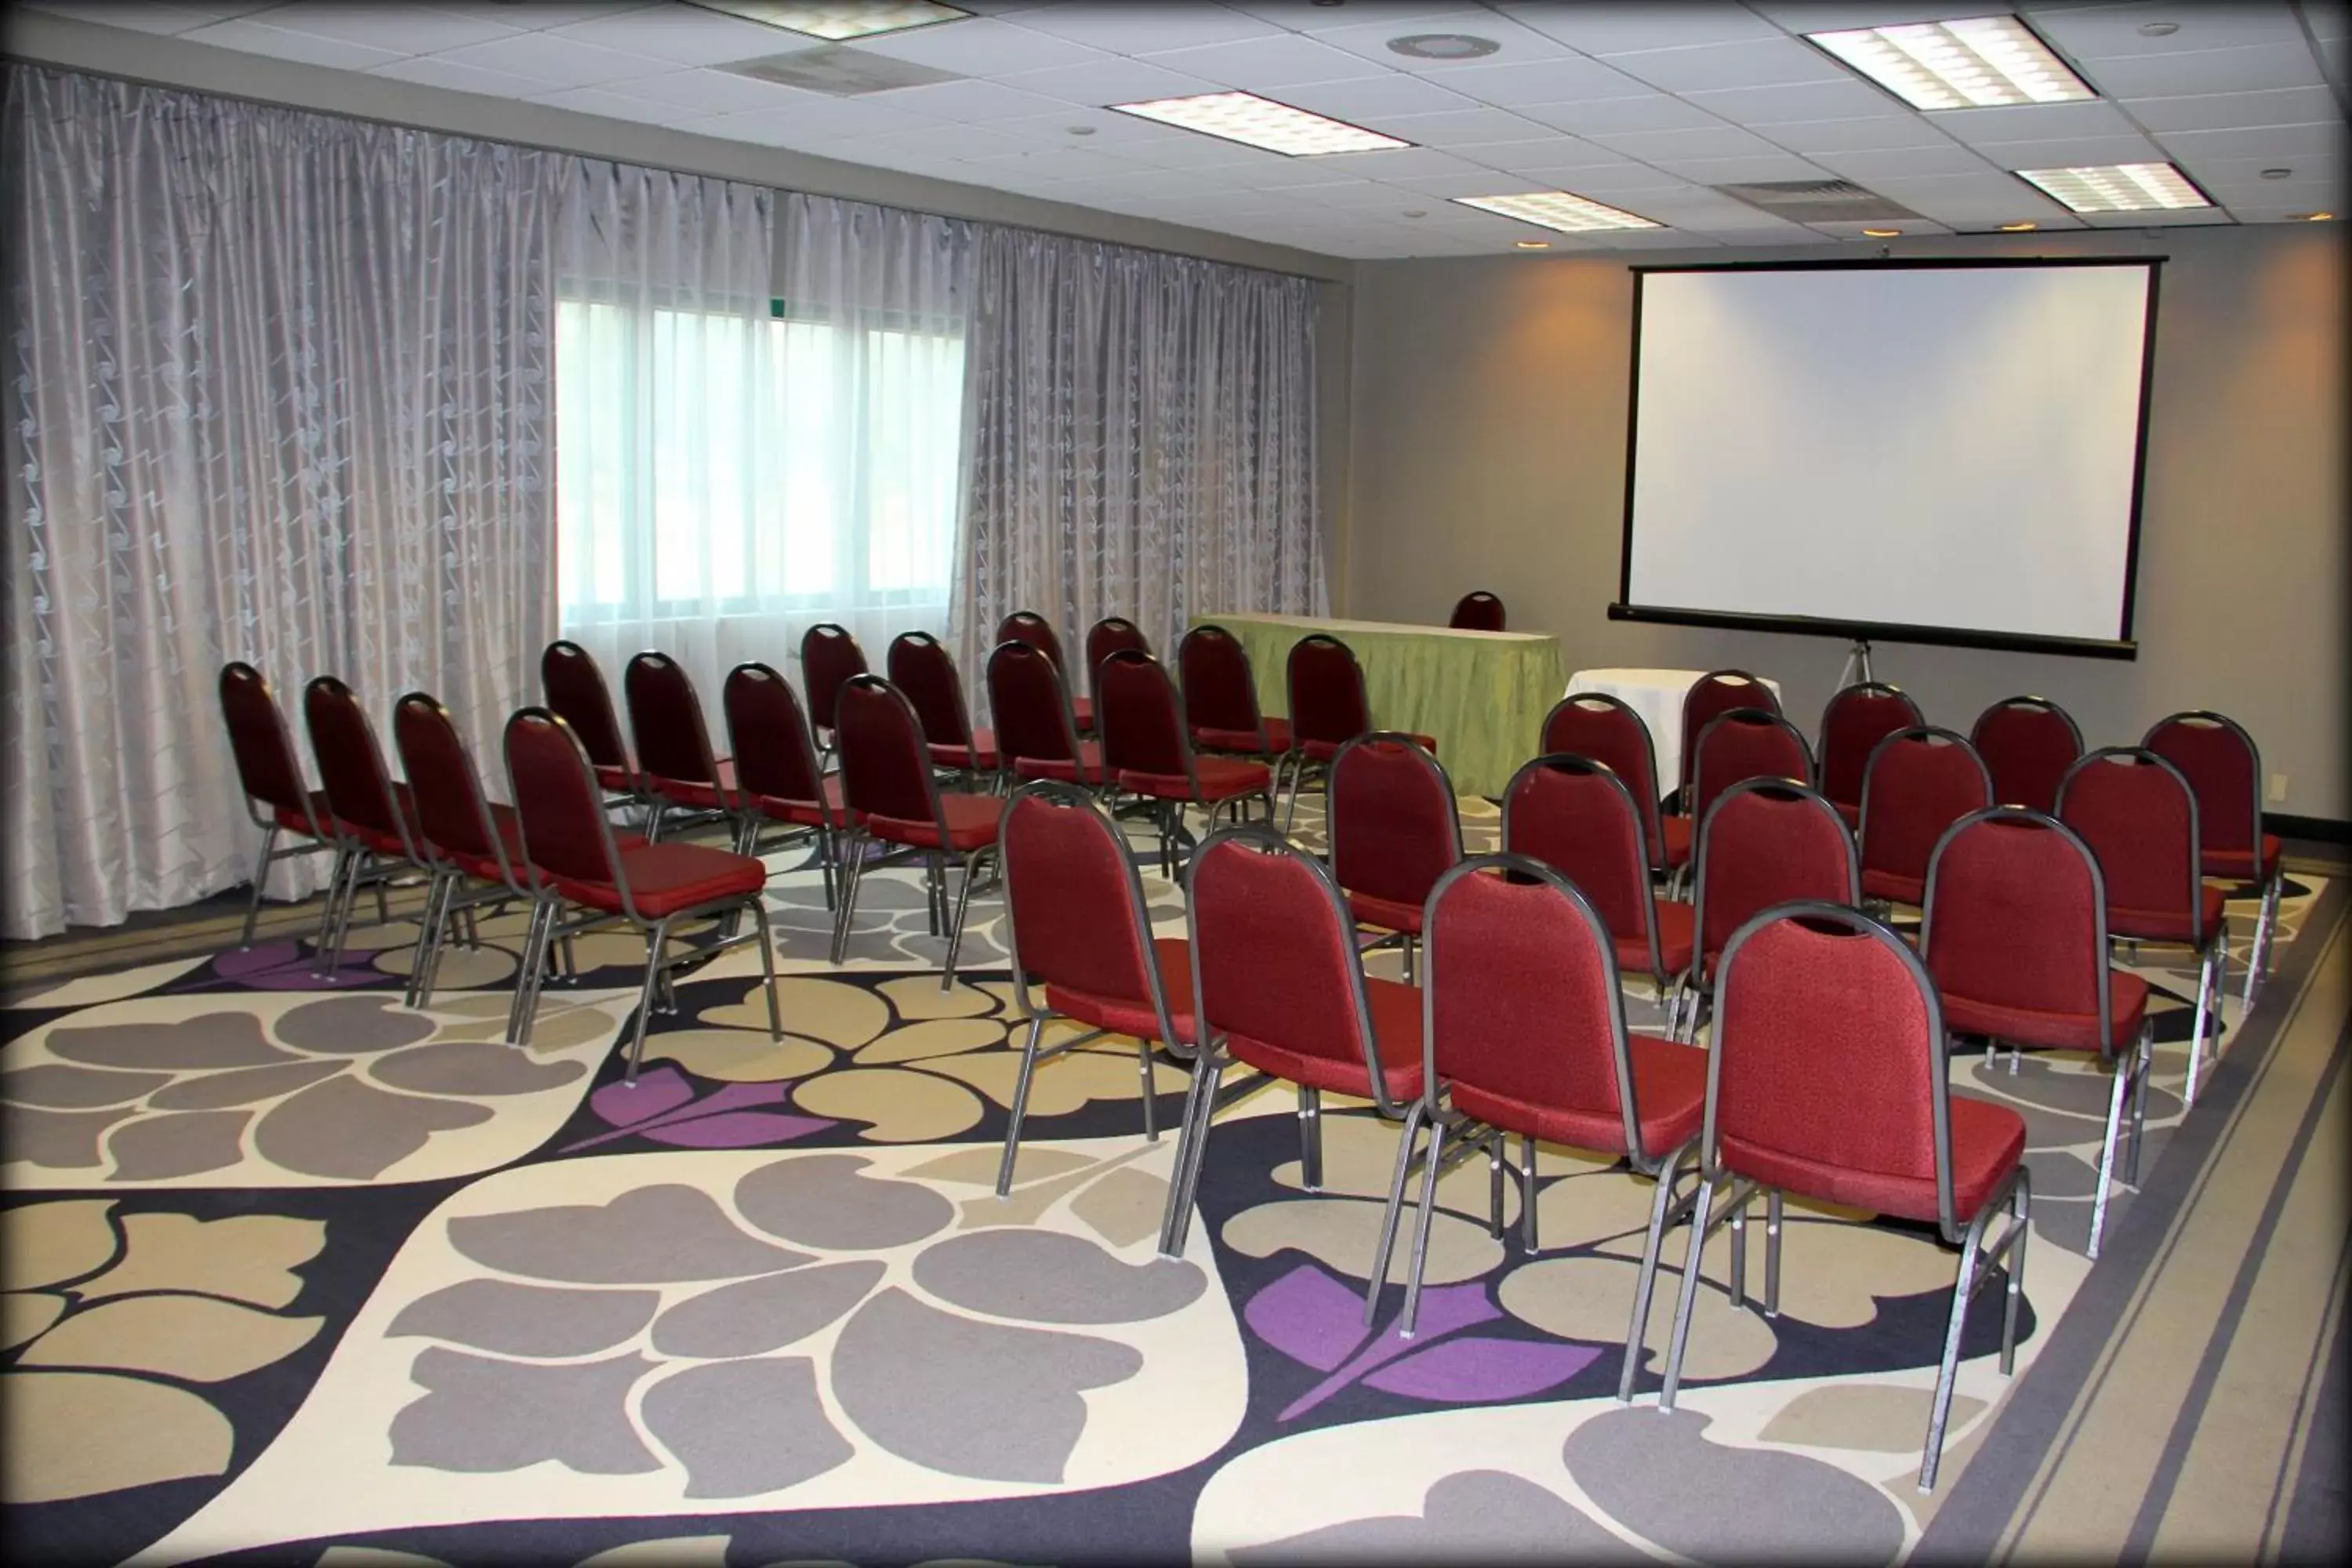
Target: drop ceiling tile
x,y
2254,193
1766,62
1459,127
687,35
559,62
1564,80
1728,171
1312,16
2113,32
2227,110
819,117
1604,185
1370,40
2295,209
1362,198
612,105
1381,165
430,71
1097,83
1283,60
1655,239
1561,153
2071,153
961,141
278,43
1055,162
970,103
2253,69
2032,121
1606,28
1482,182
723,92
1969,199
1711,142
1830,16
402,29
1236,162
536,16
1851,230
2181,217
1799,101
2280,143
145,18
1131,29
1903,161
1391,93
1773,231
982,46
1815,137
1105,128
1642,112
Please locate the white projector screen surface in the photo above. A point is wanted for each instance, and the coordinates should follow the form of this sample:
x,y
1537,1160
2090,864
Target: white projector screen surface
x,y
1897,450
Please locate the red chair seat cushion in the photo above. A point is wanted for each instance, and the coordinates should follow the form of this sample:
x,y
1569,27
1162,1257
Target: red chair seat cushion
x,y
1987,1140
614,779
1388,914
2167,925
1669,1098
1222,778
700,795
293,821
1396,1032
1277,738
1894,886
1324,751
1678,934
666,877
806,813
1089,763
979,756
1082,712
2240,863
376,841
1674,837
2126,1007
1851,812
972,822
1133,1016
509,827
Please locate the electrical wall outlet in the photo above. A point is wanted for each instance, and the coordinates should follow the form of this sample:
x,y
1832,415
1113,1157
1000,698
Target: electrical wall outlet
x,y
2278,789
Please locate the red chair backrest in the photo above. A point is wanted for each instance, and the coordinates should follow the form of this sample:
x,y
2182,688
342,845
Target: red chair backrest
x,y
260,740
1746,743
1030,707
1711,696
442,779
1029,626
1327,690
1919,782
1395,826
1828,1051
829,657
2139,816
1857,718
885,768
1574,814
922,669
1140,717
2027,744
1595,724
2016,914
575,689
1109,636
666,717
1274,952
1769,842
775,756
1220,693
351,762
564,833
1521,992
1478,611
1076,906
2224,769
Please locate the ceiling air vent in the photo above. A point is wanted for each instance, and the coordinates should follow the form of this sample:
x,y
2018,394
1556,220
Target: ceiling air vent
x,y
839,72
1816,201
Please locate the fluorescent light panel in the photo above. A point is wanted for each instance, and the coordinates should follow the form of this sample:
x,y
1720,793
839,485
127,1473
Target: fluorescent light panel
x,y
1261,122
1978,63
849,19
1558,210
2118,187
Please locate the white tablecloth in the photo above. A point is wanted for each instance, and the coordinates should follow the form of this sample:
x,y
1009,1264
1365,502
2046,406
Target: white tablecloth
x,y
1657,696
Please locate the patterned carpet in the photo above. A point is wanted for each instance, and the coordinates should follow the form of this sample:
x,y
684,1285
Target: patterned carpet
x,y
294,1274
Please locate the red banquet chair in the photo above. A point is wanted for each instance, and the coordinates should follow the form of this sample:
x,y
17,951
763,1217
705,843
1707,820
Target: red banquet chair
x,y
573,858
777,778
1081,933
2014,931
2224,769
1327,710
1918,782
271,779
1220,697
1574,814
1826,1078
1711,696
2028,743
574,687
686,785
1764,842
1477,611
1148,751
894,798
1858,717
374,818
1523,1030
1603,728
1277,985
921,668
1745,743
1111,635
1395,827
1035,733
1029,626
829,657
2138,814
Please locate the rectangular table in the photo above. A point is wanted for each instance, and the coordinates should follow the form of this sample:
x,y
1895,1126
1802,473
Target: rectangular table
x,y
1482,695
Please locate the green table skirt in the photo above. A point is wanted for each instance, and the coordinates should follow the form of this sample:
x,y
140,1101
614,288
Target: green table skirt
x,y
1482,695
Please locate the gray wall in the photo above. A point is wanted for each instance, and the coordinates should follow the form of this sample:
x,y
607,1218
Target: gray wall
x,y
1489,451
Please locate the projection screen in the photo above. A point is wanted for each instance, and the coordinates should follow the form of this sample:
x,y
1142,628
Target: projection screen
x,y
1945,452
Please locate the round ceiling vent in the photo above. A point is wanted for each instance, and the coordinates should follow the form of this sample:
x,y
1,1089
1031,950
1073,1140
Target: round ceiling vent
x,y
1442,46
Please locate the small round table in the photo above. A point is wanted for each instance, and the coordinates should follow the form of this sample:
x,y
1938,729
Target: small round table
x,y
1657,696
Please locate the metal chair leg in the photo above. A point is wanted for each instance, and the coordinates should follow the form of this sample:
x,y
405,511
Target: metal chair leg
x,y
1528,1193
656,940
526,997
1773,1253
1150,1095
1686,1298
1739,1253
768,967
852,872
433,921
2122,1072
1414,1116
2197,1033
1200,1104
2139,1101
260,874
963,903
1020,1104
1662,1210
1310,1138
1431,1166
1962,1289
342,868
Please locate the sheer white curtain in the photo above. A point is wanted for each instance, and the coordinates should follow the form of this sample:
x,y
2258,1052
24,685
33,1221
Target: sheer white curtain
x,y
744,448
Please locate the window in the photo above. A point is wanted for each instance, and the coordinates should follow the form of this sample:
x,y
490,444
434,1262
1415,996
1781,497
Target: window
x,y
708,464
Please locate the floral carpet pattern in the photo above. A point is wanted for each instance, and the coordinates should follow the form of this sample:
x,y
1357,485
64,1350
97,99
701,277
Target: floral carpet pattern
x,y
291,1273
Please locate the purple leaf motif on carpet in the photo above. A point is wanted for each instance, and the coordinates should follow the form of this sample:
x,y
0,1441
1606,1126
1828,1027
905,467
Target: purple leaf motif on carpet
x,y
1314,1318
663,1107
286,966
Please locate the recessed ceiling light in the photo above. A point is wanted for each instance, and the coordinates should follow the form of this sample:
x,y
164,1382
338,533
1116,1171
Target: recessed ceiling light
x,y
1532,244
2276,173
2313,217
847,19
1883,233
1079,129
1558,210
2118,187
2019,228
1416,211
1255,121
2158,30
1975,63
1442,46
